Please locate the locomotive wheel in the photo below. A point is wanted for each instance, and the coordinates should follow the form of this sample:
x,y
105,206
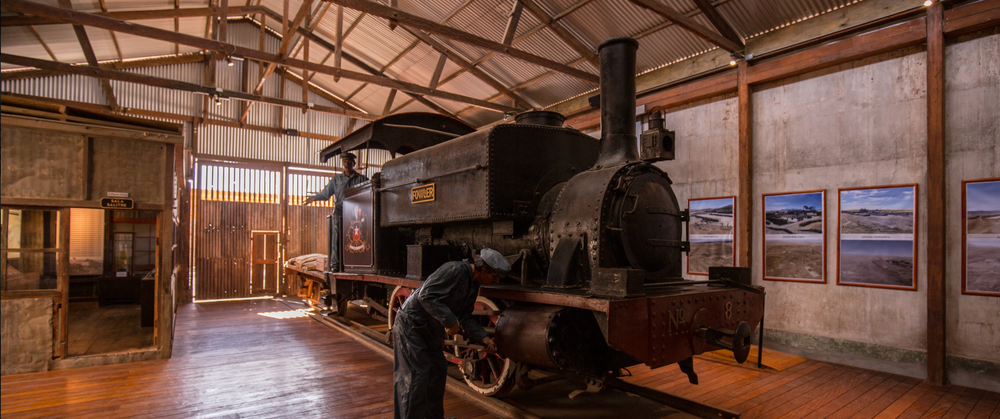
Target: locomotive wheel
x,y
396,300
489,375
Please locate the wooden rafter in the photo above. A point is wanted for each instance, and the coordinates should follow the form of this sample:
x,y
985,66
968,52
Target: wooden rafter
x,y
436,77
369,69
114,38
718,21
117,65
295,78
286,39
417,22
562,15
109,74
512,20
6,21
177,26
689,24
75,17
562,33
467,66
88,52
388,102
44,45
409,48
223,20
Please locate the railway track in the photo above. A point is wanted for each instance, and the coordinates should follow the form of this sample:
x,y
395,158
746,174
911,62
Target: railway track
x,y
550,399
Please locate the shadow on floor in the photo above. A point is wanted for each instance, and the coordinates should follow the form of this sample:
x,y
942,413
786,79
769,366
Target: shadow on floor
x,y
106,329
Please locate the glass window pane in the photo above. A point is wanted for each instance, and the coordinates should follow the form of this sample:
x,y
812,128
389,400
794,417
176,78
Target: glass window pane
x,y
123,252
33,229
27,271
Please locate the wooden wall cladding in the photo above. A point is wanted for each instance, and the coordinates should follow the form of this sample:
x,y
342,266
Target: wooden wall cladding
x,y
136,167
42,164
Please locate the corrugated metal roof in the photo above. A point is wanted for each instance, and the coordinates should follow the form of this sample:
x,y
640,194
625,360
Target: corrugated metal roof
x,y
372,42
752,18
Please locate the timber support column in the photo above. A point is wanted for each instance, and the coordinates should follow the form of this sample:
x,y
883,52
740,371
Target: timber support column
x,y
744,198
935,196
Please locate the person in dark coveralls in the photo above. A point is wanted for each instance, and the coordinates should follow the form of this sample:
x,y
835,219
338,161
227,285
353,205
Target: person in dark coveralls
x,y
441,306
335,188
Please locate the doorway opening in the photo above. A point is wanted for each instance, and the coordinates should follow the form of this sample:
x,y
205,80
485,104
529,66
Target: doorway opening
x,y
112,280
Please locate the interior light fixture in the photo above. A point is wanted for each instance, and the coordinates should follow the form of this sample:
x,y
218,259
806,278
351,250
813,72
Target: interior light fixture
x,y
928,3
734,57
229,61
218,102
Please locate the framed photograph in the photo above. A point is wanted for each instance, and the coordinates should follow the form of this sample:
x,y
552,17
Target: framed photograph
x,y
877,237
794,237
711,233
981,237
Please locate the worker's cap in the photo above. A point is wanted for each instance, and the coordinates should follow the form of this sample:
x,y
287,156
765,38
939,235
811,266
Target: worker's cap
x,y
495,261
349,156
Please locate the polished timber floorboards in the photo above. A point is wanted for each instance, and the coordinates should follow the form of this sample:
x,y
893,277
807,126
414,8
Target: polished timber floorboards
x,y
229,361
250,359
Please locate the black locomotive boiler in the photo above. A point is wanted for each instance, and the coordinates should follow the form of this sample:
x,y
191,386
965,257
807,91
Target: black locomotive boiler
x,y
592,229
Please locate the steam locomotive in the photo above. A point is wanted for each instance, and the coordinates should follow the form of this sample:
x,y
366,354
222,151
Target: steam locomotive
x,y
592,230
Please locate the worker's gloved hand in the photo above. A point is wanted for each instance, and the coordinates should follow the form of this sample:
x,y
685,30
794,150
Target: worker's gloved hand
x,y
453,329
491,348
309,200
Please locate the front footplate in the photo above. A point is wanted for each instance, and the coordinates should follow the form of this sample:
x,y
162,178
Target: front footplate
x,y
689,320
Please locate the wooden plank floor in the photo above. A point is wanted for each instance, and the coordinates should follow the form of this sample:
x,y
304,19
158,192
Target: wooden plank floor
x,y
229,361
794,387
101,330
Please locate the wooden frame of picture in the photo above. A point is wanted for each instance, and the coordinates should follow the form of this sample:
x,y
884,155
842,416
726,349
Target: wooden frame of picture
x,y
789,220
713,232
882,235
987,233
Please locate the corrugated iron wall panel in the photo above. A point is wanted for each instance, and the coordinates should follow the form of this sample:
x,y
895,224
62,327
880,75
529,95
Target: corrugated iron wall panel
x,y
158,99
70,87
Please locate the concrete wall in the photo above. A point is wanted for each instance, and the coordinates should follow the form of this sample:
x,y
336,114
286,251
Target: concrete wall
x,y
857,125
25,335
972,129
706,149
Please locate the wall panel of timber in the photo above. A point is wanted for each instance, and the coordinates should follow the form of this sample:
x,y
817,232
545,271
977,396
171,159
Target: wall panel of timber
x,y
236,200
223,255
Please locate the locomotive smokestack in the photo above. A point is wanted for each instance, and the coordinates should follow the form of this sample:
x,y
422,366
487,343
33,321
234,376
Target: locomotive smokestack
x,y
617,101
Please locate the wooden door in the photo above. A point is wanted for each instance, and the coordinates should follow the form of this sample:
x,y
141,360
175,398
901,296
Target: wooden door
x,y
265,256
234,201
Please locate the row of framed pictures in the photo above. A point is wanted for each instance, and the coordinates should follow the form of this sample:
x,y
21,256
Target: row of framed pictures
x,y
877,236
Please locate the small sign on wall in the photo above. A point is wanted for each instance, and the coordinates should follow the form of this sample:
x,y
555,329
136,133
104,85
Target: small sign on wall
x,y
117,203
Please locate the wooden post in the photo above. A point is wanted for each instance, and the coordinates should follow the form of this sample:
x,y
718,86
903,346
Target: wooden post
x,y
181,256
282,286
935,196
62,269
744,198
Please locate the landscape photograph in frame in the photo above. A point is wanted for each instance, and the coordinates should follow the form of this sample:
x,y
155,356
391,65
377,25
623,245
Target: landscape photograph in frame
x,y
981,237
711,233
877,237
794,237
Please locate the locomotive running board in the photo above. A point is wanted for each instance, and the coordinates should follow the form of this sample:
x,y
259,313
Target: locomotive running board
x,y
677,402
